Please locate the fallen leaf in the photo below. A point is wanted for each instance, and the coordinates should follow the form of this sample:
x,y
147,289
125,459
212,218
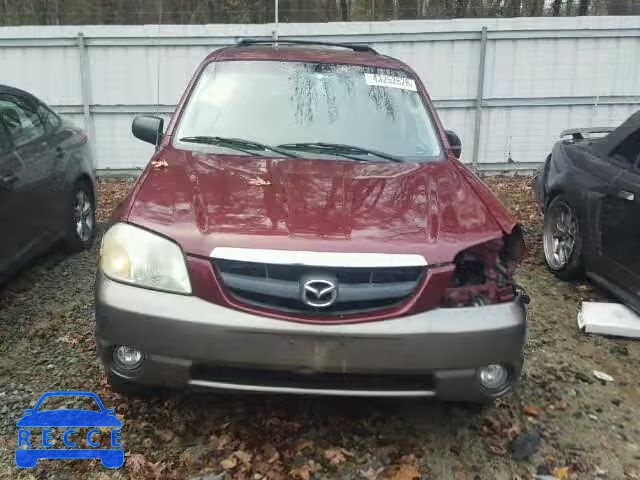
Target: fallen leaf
x,y
371,473
514,429
335,455
531,411
165,435
219,442
157,469
229,462
243,456
273,457
304,472
259,182
304,444
561,473
70,339
137,464
402,472
159,164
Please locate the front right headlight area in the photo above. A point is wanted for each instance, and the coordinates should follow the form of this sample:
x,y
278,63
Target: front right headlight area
x,y
138,257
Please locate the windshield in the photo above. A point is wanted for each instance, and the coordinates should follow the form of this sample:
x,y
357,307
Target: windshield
x,y
285,103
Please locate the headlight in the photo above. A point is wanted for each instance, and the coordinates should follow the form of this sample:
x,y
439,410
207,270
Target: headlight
x,y
132,255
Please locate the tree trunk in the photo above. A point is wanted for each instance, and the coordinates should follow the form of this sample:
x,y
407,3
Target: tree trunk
x,y
396,9
583,8
513,8
461,8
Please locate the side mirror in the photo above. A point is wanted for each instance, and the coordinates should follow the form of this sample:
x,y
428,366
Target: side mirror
x,y
454,143
148,129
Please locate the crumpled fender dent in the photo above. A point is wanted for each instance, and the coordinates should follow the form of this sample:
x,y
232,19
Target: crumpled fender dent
x,y
497,210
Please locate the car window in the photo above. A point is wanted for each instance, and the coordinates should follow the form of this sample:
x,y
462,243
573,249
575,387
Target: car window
x,y
298,102
50,119
628,152
5,143
21,119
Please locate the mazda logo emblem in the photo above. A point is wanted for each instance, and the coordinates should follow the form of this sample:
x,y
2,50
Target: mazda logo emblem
x,y
319,293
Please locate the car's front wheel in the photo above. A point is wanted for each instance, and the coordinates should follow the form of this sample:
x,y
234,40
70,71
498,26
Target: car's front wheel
x,y
562,239
81,217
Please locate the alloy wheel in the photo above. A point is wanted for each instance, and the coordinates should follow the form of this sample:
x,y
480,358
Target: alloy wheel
x,y
559,235
83,215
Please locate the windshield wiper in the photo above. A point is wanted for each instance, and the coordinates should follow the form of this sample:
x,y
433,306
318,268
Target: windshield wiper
x,y
339,149
246,146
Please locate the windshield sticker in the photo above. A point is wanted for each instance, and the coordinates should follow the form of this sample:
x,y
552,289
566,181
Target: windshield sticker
x,y
390,81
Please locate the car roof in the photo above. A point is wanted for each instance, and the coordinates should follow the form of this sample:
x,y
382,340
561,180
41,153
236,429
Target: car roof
x,y
15,91
296,53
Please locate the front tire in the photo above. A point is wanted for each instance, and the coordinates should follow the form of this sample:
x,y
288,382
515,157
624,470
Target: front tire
x,y
81,229
562,239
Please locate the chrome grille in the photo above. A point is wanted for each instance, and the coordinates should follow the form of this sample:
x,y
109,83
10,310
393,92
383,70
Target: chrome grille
x,y
278,286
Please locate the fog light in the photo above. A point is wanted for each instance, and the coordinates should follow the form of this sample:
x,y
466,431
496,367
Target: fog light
x,y
127,358
493,377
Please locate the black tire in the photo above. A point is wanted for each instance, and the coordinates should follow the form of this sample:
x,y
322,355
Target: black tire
x,y
78,239
572,268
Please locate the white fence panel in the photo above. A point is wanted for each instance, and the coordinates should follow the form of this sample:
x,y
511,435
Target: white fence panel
x,y
541,75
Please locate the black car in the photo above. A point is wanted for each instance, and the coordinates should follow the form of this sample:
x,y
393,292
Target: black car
x,y
589,191
47,181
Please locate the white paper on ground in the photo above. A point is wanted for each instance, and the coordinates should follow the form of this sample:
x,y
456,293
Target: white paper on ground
x,y
609,319
605,377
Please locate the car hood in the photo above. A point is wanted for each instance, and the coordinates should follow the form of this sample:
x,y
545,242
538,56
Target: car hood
x,y
69,418
206,200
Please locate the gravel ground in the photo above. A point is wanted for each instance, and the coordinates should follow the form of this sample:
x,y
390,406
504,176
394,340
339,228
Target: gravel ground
x,y
561,421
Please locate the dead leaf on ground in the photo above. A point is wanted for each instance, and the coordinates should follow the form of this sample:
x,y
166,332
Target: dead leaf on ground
x,y
137,464
402,472
561,473
243,456
304,444
219,442
165,435
531,411
514,429
229,462
304,472
335,455
371,473
70,339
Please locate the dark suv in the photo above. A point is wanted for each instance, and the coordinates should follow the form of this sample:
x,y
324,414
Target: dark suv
x,y
306,227
47,189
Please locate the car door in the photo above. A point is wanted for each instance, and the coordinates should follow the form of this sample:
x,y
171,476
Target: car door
x,y
621,218
29,165
8,244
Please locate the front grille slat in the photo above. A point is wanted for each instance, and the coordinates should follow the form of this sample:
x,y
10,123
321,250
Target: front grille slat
x,y
278,287
266,286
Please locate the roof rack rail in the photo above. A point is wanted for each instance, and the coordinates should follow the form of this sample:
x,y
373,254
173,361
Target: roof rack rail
x,y
355,47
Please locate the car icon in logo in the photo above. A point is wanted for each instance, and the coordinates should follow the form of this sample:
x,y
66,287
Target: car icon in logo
x,y
69,419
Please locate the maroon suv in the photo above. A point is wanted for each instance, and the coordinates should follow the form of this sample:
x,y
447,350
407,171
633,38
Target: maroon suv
x,y
306,227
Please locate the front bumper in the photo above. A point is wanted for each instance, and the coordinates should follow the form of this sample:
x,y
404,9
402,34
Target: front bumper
x,y
189,341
